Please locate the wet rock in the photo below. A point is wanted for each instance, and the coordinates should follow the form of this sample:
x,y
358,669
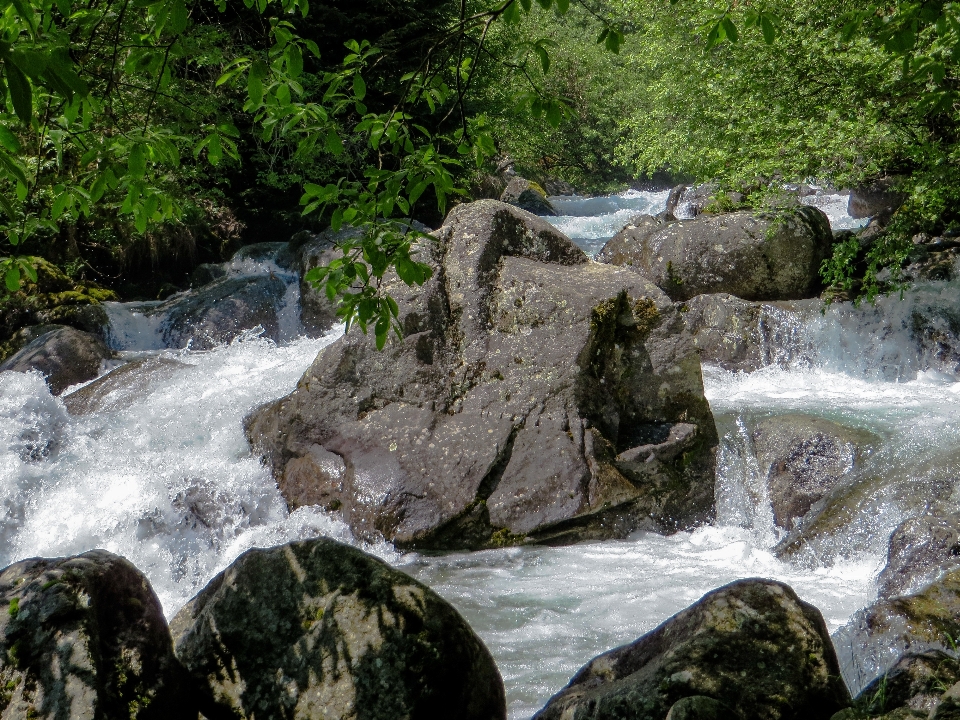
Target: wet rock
x,y
745,336
698,707
673,199
876,637
619,250
278,253
317,313
692,200
64,355
804,458
122,385
527,196
752,646
553,186
921,549
935,327
915,683
949,707
879,198
536,397
319,629
755,256
206,273
84,637
217,313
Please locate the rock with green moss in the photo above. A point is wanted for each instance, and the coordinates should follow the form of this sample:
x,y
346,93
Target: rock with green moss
x,y
318,629
527,195
875,638
535,397
752,647
65,356
916,683
55,299
84,638
770,255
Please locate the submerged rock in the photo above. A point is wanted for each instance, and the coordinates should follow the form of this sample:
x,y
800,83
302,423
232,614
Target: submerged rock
x,y
217,313
319,629
877,636
84,637
527,196
773,255
921,549
536,396
122,386
64,355
749,650
804,458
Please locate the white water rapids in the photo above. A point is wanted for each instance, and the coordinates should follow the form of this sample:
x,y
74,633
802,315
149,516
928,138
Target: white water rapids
x,y
165,477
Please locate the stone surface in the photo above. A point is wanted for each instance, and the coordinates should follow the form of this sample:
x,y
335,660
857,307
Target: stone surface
x,y
804,458
915,683
921,549
876,637
773,255
536,396
218,312
879,198
84,638
620,249
753,646
64,355
122,385
318,629
527,196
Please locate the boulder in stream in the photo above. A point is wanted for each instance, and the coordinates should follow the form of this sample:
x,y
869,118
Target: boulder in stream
x,y
915,684
527,196
64,355
771,255
122,386
804,458
535,397
319,629
921,549
751,649
84,637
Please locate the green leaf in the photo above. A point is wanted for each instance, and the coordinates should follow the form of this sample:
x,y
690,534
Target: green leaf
x,y
359,87
525,4
8,210
20,91
554,114
730,29
294,60
137,161
214,150
768,30
563,6
9,140
28,269
544,58
334,144
178,19
64,7
13,278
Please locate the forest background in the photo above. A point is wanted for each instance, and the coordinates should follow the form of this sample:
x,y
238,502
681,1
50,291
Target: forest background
x,y
140,138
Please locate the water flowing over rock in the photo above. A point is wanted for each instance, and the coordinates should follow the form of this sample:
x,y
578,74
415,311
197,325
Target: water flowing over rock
x,y
64,355
916,683
753,647
773,255
877,636
320,629
536,397
84,637
527,196
921,549
122,385
804,458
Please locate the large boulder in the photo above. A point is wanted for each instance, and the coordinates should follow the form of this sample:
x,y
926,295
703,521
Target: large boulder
x,y
619,250
876,637
220,311
753,648
804,458
921,549
745,336
84,637
318,629
64,355
536,396
527,196
773,255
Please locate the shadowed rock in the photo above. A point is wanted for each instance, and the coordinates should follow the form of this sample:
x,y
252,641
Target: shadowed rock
x,y
319,629
915,683
749,650
921,549
772,255
84,638
64,355
536,396
527,196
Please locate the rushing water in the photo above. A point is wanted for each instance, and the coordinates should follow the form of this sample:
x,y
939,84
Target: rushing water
x,y
163,476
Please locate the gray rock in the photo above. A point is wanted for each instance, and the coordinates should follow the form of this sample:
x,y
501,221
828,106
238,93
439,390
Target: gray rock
x,y
122,385
536,396
83,638
64,355
752,645
528,196
317,313
756,256
553,186
921,549
318,629
206,273
278,253
217,313
698,707
620,249
673,199
694,199
804,458
949,706
875,199
916,683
